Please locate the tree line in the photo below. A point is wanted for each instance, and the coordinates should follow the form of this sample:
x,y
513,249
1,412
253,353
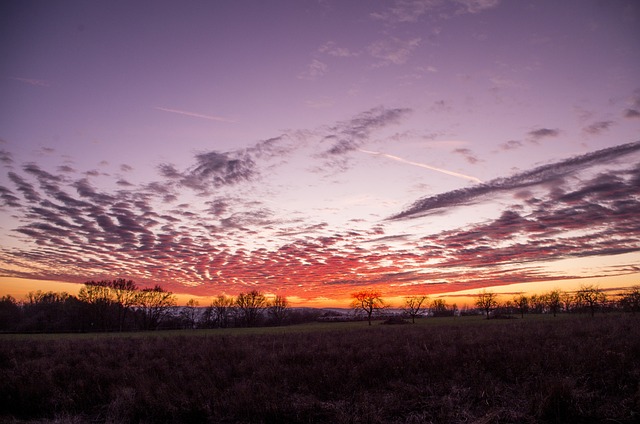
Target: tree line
x,y
588,299
120,305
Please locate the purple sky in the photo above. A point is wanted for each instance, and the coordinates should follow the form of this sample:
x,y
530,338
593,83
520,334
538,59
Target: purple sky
x,y
312,148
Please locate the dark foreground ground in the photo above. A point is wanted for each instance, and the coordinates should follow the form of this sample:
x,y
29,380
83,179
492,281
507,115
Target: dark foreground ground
x,y
574,369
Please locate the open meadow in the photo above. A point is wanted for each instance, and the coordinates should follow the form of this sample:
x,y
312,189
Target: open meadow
x,y
572,368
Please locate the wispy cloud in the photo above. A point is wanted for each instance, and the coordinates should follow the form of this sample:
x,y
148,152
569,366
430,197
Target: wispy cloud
x,y
468,155
536,176
511,145
393,50
212,169
32,81
476,6
196,115
408,11
332,49
315,70
349,135
422,165
633,111
541,133
597,127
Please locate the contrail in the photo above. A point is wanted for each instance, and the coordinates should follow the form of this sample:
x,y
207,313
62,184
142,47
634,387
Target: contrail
x,y
195,115
422,165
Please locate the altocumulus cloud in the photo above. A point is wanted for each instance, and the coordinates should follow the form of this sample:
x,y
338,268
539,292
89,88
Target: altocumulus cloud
x,y
70,229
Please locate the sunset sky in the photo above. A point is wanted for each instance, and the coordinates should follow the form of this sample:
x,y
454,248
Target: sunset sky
x,y
315,148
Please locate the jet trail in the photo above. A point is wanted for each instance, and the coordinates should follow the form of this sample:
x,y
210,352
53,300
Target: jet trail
x,y
195,115
422,165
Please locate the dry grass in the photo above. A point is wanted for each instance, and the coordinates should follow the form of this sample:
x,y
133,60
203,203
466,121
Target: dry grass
x,y
575,369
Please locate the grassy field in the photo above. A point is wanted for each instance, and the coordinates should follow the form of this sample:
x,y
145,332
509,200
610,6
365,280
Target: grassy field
x,y
457,370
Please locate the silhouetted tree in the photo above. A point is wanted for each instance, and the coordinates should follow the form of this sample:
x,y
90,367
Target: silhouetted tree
x,y
189,313
10,313
98,299
590,297
630,300
486,301
439,308
154,303
521,303
367,301
568,301
125,295
414,304
250,305
49,311
220,311
553,301
278,309
537,303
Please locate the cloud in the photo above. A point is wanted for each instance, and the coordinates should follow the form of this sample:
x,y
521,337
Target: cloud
x,y
27,189
539,134
332,49
196,115
393,50
212,169
476,6
32,81
349,135
231,237
468,155
536,176
597,127
409,11
597,219
8,198
511,145
632,113
405,10
315,70
6,157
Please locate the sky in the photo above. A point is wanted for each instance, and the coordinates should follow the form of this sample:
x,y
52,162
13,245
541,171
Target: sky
x,y
315,148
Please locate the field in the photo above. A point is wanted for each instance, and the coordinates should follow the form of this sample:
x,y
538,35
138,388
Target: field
x,y
542,369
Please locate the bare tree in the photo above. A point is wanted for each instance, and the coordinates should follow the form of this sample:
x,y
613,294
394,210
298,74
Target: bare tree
x,y
439,308
98,297
221,310
154,304
521,303
486,301
590,297
536,303
553,301
414,304
568,301
125,295
189,313
278,309
9,313
251,305
630,299
367,301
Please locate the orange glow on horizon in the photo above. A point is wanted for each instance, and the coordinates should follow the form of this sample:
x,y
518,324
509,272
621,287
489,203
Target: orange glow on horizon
x,y
19,288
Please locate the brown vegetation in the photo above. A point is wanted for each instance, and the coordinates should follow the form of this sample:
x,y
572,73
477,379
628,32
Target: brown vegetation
x,y
572,368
